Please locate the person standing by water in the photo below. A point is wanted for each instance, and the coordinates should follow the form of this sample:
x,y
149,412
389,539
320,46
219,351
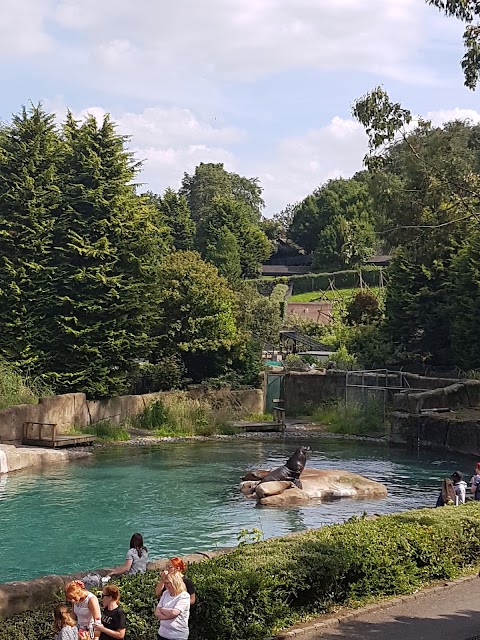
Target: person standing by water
x,y
113,623
460,487
475,482
176,564
85,605
173,609
136,560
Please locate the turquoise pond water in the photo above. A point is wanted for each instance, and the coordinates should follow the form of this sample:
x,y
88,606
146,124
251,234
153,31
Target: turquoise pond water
x,y
184,497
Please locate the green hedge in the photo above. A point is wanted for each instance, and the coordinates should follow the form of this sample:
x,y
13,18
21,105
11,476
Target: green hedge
x,y
264,587
321,281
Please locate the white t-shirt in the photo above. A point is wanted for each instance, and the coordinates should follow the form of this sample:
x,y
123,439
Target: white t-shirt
x,y
175,628
460,491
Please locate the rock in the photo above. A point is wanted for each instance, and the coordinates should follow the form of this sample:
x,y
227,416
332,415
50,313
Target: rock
x,y
317,484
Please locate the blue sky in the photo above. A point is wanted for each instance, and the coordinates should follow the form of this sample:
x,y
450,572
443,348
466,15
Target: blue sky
x,y
265,86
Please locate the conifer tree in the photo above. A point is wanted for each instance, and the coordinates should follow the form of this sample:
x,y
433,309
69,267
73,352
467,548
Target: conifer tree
x,y
29,204
106,251
175,214
224,254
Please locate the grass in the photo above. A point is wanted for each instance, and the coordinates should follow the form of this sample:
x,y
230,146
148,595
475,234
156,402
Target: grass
x,y
258,417
106,431
353,419
16,388
338,294
183,417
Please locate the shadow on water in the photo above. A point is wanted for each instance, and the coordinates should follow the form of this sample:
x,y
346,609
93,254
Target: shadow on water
x,y
184,497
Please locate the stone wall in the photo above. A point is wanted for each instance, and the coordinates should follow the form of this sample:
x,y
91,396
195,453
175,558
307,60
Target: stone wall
x,y
303,390
460,395
18,597
74,409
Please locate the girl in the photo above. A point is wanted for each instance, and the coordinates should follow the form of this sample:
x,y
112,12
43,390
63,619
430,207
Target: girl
x,y
137,557
177,564
173,609
85,605
113,618
64,625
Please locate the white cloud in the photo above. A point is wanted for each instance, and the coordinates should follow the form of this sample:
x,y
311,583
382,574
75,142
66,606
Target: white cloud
x,y
22,27
447,115
246,39
302,163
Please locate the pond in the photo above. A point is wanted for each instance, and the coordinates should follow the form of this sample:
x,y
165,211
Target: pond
x,y
183,497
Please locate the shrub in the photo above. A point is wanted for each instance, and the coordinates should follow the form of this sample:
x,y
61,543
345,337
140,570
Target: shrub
x,y
16,388
261,588
107,431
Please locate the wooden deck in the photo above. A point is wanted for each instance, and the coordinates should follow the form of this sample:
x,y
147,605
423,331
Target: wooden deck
x,y
261,426
44,434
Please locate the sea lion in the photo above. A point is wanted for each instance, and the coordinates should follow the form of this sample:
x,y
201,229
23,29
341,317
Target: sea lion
x,y
291,470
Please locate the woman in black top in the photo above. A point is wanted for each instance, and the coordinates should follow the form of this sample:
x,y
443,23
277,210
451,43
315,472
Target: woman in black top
x,y
177,564
113,618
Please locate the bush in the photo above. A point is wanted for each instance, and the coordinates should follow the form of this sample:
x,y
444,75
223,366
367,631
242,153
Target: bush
x,y
107,431
16,388
321,281
261,588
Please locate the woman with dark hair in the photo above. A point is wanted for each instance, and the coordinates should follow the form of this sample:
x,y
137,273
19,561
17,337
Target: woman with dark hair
x,y
176,565
137,558
113,621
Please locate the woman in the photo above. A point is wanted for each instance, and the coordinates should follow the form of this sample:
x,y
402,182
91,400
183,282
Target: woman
x,y
85,604
64,625
173,609
137,558
113,622
460,487
176,565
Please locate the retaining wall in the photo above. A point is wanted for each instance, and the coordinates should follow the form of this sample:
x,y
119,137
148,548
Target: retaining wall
x,y
74,409
21,596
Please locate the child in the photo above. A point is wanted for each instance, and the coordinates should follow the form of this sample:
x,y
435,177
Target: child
x,y
460,487
64,625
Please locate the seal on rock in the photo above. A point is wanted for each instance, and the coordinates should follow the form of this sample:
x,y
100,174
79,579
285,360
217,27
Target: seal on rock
x,y
291,470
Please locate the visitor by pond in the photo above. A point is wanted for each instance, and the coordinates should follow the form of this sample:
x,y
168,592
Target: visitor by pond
x,y
173,609
85,604
137,558
113,622
179,566
64,625
475,482
460,487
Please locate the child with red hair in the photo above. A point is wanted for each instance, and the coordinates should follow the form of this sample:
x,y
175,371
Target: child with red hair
x,y
176,565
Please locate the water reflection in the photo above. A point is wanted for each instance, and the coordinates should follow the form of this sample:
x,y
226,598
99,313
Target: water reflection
x,y
184,497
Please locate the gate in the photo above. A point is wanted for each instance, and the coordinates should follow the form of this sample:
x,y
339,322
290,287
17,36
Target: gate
x,y
274,391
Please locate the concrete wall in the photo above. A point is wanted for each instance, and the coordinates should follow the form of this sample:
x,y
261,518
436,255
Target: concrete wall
x,y
460,395
303,390
74,409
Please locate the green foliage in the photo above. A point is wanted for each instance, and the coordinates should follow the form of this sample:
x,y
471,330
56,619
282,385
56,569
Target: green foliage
x,y
261,588
336,224
106,431
30,200
364,308
196,316
175,215
249,536
335,295
224,254
467,11
321,281
355,418
18,389
259,417
176,416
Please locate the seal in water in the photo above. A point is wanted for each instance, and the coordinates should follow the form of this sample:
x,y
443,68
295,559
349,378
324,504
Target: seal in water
x,y
291,470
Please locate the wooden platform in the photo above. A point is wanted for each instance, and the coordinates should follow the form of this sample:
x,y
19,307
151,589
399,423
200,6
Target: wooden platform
x,y
44,434
261,426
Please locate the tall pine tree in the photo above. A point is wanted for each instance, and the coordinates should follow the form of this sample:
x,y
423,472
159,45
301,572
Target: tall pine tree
x,y
106,253
29,203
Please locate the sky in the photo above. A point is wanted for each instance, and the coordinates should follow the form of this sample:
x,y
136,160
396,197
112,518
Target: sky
x,y
264,86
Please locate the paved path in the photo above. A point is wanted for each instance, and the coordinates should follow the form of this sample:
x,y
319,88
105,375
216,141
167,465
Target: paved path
x,y
449,612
